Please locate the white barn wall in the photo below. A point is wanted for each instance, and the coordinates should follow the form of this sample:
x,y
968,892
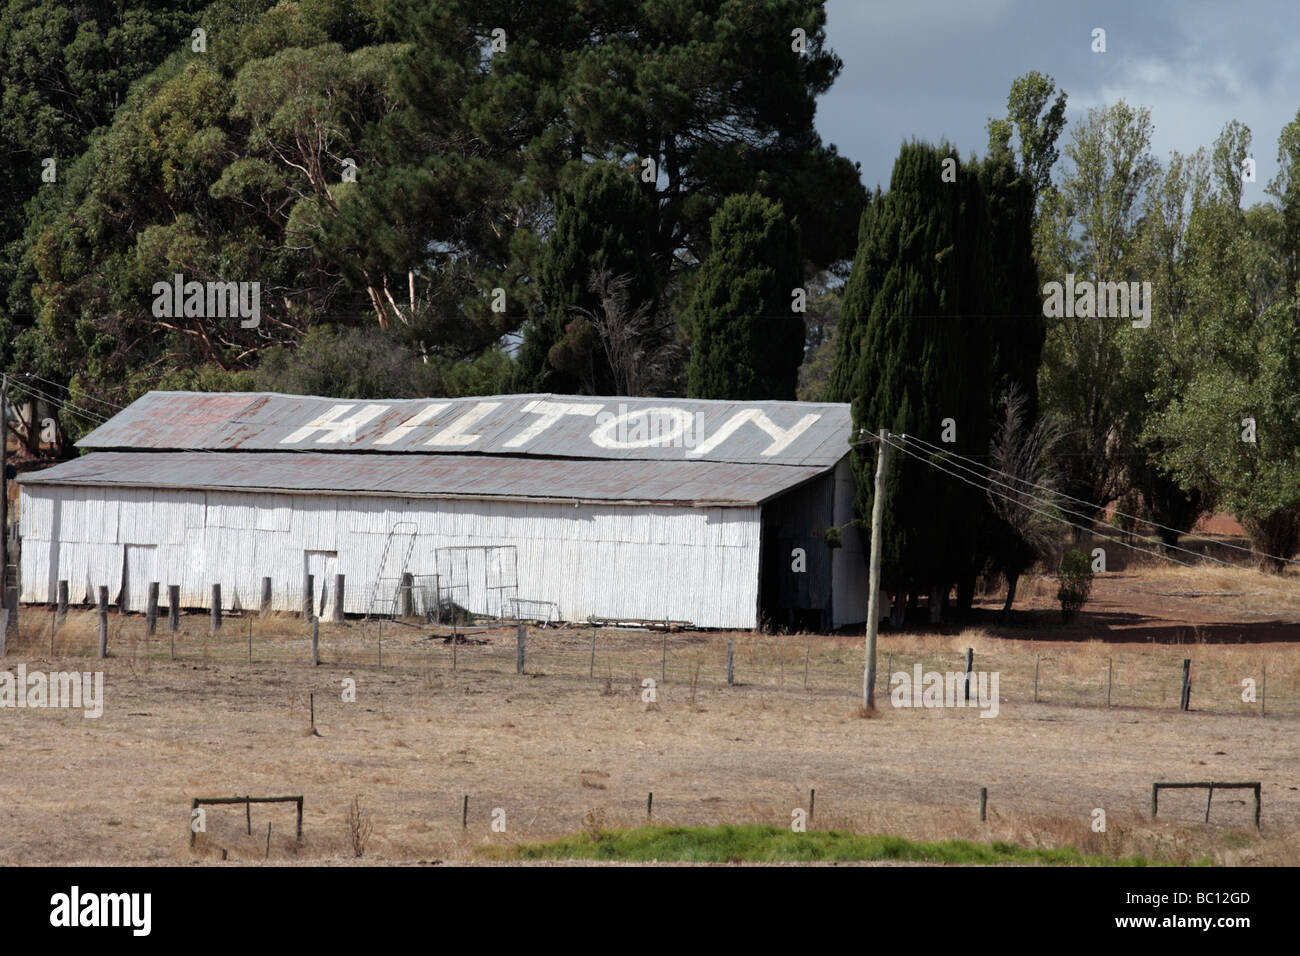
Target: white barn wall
x,y
635,562
849,584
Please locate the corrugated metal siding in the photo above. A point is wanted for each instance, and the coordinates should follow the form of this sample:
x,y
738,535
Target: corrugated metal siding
x,y
500,425
849,584
467,476
681,563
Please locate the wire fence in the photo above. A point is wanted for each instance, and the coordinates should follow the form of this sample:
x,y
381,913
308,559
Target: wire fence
x,y
1223,678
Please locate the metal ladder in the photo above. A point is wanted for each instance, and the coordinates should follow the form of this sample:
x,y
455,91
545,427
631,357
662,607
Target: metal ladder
x,y
376,585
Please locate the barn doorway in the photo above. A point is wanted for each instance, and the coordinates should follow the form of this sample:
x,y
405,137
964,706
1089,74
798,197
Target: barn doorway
x,y
322,566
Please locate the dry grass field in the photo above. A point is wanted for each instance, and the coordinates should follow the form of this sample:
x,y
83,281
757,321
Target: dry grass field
x,y
572,741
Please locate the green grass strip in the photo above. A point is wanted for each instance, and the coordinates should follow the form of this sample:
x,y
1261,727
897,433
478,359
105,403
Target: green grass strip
x,y
767,844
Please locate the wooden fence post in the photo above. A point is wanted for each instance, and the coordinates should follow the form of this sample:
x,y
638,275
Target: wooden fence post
x,y
1110,661
173,607
521,637
338,597
264,607
4,630
216,609
103,621
984,803
1263,687
308,602
591,666
1035,678
63,598
731,660
663,660
408,598
970,666
315,642
151,609
1185,701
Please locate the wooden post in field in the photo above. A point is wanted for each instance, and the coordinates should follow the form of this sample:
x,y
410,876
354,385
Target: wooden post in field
x,y
215,624
300,819
731,660
315,642
264,606
408,602
308,602
970,667
1035,678
173,607
649,804
873,576
521,637
1110,662
984,804
4,629
806,650
248,814
591,666
338,597
663,660
103,621
11,604
454,641
1263,687
311,702
381,643
1185,702
812,803
151,610
63,599
1155,799
464,812
267,855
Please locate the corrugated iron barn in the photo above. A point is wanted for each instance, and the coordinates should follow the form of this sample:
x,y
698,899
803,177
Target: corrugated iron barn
x,y
558,507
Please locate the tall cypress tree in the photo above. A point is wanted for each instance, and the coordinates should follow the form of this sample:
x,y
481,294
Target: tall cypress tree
x,y
602,221
746,341
917,350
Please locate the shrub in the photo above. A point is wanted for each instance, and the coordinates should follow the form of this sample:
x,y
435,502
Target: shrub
x,y
1075,578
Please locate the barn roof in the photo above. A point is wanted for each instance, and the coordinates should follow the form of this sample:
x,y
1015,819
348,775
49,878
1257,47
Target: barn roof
x,y
787,434
701,483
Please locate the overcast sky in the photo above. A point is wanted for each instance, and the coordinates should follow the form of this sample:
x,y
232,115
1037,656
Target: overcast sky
x,y
936,69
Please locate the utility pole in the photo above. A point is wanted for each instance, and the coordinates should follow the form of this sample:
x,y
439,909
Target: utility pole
x,y
873,578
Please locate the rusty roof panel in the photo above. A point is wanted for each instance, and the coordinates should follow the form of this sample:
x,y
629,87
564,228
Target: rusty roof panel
x,y
559,426
701,483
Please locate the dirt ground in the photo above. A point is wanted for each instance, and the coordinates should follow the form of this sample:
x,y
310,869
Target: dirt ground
x,y
556,750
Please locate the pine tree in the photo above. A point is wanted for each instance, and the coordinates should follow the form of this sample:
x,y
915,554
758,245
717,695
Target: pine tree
x,y
746,340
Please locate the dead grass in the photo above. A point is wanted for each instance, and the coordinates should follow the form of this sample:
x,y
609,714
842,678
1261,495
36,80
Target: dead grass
x,y
420,736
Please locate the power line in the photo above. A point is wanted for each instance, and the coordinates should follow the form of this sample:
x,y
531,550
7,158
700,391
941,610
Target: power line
x,y
1090,504
929,461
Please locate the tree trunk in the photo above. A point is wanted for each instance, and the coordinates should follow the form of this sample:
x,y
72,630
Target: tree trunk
x,y
936,604
1012,581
